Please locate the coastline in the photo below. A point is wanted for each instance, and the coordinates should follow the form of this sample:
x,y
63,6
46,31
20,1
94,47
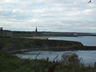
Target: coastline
x,y
20,45
85,48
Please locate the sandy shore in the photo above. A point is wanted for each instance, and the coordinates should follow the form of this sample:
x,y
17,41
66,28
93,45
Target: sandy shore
x,y
40,37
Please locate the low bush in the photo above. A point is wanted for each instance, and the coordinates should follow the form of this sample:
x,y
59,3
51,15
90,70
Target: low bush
x,y
11,63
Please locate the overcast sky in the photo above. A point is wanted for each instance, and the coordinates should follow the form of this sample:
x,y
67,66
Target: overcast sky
x,y
48,15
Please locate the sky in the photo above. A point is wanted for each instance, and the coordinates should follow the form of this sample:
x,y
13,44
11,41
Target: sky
x,y
48,15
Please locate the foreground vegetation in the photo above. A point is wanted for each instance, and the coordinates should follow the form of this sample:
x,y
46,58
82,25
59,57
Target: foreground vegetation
x,y
10,63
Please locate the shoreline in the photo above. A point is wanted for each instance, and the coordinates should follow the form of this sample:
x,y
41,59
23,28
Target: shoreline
x,y
46,37
19,45
85,48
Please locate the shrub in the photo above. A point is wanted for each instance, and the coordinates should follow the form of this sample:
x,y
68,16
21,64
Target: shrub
x,y
70,59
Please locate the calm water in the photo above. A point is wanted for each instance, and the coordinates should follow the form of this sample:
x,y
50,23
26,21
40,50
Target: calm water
x,y
86,57
85,40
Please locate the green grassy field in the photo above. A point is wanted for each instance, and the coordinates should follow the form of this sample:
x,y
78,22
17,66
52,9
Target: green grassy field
x,y
11,44
10,63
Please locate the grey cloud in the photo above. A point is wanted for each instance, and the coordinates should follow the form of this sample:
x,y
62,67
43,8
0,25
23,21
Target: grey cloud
x,y
48,15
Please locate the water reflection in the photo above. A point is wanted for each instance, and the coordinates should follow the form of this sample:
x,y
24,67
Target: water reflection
x,y
86,57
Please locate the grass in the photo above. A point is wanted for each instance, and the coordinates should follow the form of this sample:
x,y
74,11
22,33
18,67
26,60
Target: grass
x,y
22,43
11,63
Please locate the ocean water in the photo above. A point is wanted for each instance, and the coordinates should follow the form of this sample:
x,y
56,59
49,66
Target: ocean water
x,y
86,57
85,40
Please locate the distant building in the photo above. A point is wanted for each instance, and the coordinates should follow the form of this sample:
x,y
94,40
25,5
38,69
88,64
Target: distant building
x,y
1,28
36,30
5,33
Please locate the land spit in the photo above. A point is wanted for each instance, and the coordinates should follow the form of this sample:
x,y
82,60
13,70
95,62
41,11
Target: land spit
x,y
15,45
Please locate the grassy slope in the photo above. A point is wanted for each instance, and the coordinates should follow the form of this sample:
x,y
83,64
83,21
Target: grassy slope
x,y
9,63
21,43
